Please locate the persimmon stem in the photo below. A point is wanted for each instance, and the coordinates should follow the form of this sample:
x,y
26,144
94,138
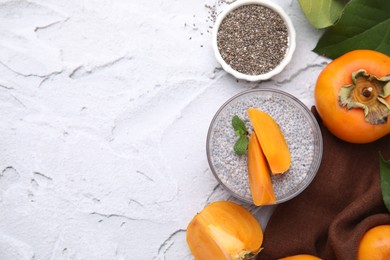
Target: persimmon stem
x,y
367,92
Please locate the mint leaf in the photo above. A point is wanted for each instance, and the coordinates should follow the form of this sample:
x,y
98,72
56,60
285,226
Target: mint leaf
x,y
385,181
238,125
241,145
240,132
365,24
322,13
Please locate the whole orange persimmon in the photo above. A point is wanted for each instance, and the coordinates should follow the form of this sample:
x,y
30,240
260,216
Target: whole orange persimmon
x,y
375,244
300,257
352,96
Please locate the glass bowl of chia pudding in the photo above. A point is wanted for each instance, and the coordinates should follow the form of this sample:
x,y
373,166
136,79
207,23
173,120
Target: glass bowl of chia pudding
x,y
299,127
253,40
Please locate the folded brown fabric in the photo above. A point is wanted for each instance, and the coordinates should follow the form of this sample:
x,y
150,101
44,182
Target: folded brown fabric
x,y
344,200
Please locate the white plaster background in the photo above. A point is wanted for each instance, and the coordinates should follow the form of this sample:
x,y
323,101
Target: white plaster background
x,y
105,107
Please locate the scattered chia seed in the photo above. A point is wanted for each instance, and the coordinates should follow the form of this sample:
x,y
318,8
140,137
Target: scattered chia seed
x,y
300,130
213,8
253,39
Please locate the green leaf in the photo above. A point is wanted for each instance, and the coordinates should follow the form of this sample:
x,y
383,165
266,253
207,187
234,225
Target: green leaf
x,y
241,145
240,132
322,13
238,125
385,181
365,24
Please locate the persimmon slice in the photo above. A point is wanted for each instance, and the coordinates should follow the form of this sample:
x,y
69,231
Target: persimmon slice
x,y
259,176
271,140
224,230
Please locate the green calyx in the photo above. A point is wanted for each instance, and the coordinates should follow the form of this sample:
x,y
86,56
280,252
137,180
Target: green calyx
x,y
368,93
246,255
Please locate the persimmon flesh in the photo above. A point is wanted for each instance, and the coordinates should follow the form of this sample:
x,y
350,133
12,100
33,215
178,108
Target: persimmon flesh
x,y
224,230
259,176
271,140
353,98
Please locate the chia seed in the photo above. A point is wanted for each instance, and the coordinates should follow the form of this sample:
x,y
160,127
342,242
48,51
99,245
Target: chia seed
x,y
253,39
301,133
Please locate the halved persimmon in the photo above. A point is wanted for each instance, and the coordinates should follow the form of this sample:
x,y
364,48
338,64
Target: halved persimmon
x,y
224,230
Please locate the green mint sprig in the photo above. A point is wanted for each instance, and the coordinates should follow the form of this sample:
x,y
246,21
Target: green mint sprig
x,y
241,145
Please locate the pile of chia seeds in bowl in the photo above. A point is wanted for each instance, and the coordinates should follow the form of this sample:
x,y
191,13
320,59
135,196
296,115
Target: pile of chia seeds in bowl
x,y
300,130
253,39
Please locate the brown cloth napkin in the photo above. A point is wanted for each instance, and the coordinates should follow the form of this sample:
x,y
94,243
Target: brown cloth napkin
x,y
343,201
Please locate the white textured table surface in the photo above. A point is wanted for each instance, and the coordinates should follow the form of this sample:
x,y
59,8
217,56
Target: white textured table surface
x,y
105,107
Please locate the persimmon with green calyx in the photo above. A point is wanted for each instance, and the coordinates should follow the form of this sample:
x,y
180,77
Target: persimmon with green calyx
x,y
352,96
375,244
300,257
259,176
271,140
224,230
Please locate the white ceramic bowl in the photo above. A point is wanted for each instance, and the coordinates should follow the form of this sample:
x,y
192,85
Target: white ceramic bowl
x,y
291,40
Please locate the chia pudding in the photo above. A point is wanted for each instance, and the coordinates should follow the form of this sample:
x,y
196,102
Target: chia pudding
x,y
298,126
